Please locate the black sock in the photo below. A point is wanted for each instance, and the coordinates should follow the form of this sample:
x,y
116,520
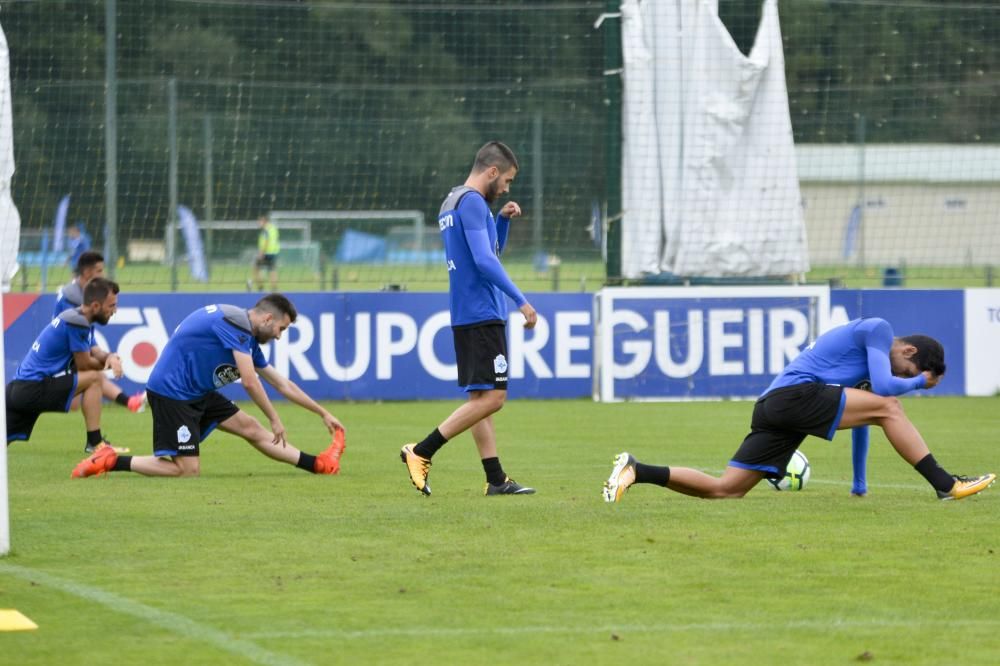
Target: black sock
x,y
429,446
937,477
94,437
123,464
306,462
494,472
651,474
122,399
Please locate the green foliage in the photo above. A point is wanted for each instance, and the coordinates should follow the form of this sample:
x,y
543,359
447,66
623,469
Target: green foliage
x,y
359,568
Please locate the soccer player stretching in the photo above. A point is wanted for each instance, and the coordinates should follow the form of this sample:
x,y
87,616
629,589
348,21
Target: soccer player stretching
x,y
70,296
65,368
810,397
212,347
478,283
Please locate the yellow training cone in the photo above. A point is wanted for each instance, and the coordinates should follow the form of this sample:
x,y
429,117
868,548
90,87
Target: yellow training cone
x,y
11,620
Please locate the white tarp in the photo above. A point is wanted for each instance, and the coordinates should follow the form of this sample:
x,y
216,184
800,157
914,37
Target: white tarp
x,y
709,184
10,220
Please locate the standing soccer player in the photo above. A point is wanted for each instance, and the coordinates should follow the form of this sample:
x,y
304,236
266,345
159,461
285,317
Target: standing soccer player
x,y
810,397
478,287
212,347
65,367
89,266
268,247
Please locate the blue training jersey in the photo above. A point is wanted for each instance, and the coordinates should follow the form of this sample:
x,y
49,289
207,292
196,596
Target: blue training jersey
x,y
70,296
473,242
849,355
52,352
198,357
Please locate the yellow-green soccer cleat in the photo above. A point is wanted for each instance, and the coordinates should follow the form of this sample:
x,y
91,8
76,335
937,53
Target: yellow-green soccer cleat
x,y
967,485
418,467
622,476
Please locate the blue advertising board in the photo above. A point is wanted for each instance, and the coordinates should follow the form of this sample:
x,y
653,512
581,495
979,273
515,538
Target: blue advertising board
x,y
650,343
357,346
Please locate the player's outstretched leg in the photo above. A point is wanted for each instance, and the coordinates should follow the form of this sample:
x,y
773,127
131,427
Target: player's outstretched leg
x,y
966,486
622,476
418,467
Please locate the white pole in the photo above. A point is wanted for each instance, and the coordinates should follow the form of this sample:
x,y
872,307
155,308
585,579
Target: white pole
x,y
10,227
4,510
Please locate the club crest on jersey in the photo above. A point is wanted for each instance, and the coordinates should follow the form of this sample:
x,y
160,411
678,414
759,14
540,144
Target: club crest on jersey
x,y
183,435
225,374
500,364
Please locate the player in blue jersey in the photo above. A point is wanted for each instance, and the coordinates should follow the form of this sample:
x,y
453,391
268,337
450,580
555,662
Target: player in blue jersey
x,y
478,292
64,367
848,378
214,346
89,266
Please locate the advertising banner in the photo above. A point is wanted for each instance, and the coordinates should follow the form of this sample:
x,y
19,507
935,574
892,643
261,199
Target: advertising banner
x,y
654,343
357,346
670,343
982,337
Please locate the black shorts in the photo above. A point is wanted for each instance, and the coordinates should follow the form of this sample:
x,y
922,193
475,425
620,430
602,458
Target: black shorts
x,y
782,419
180,426
481,353
267,261
26,400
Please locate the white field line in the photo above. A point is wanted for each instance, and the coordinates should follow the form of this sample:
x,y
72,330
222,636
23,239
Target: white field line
x,y
824,625
172,622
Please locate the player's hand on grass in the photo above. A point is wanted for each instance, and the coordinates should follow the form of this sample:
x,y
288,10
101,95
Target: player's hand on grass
x,y
530,316
278,429
510,209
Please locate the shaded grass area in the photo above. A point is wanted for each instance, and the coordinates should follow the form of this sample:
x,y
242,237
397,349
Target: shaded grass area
x,y
570,275
279,566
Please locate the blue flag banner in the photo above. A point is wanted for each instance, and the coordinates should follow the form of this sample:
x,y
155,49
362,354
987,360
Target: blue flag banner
x,y
192,239
852,231
59,225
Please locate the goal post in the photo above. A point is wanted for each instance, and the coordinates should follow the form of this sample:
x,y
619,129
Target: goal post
x,y
689,343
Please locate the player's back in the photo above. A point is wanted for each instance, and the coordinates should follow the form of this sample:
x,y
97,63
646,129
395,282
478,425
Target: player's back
x,y
70,296
198,357
839,356
52,351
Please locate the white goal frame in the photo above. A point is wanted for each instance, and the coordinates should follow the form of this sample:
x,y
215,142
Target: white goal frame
x,y
604,388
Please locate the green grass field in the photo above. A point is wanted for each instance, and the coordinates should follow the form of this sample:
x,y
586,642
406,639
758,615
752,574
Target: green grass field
x,y
572,275
260,563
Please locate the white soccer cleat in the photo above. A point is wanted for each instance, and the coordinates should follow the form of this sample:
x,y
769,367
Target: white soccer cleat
x,y
622,476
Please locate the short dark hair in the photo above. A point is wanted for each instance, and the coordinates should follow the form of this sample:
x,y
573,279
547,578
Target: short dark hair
x,y
278,304
930,353
495,153
98,289
88,259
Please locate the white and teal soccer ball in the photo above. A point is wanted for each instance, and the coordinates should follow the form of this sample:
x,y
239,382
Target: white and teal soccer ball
x,y
796,474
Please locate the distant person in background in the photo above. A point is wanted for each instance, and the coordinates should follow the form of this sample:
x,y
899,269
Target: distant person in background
x,y
847,378
268,247
79,242
478,291
90,265
215,346
64,368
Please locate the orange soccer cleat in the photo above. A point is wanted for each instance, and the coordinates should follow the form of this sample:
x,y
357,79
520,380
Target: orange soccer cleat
x,y
328,462
102,461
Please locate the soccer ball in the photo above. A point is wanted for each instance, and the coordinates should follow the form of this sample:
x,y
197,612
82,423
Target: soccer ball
x,y
796,474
